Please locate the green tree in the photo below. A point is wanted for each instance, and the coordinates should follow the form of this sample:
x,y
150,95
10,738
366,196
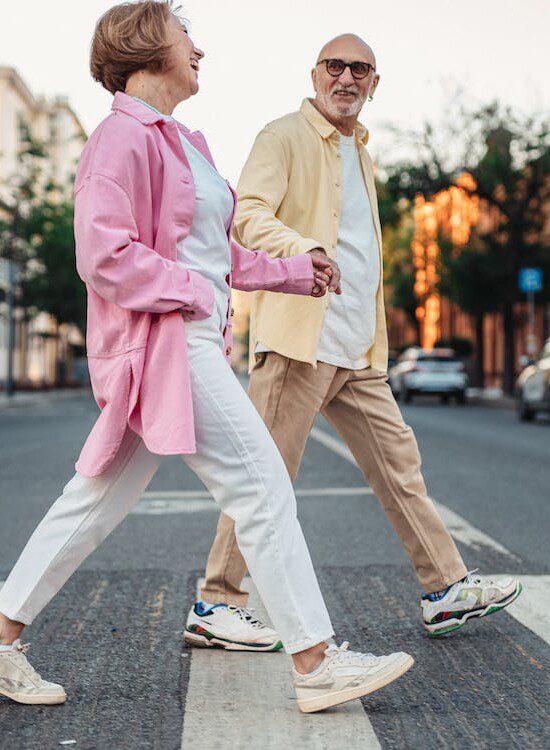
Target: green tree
x,y
20,194
472,279
36,232
398,228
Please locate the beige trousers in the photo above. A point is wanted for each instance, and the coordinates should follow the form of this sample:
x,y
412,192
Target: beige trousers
x,y
360,406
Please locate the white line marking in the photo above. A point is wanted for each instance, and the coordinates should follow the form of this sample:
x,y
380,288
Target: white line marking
x,y
152,507
302,492
459,527
532,607
468,534
334,444
242,700
182,495
329,491
171,502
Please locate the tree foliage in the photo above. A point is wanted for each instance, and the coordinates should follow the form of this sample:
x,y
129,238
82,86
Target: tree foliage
x,y
36,231
508,155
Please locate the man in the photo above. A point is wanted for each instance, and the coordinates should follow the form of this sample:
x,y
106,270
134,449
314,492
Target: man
x,y
308,184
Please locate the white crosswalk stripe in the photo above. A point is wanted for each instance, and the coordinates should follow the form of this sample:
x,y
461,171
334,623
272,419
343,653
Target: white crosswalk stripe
x,y
532,608
197,501
242,700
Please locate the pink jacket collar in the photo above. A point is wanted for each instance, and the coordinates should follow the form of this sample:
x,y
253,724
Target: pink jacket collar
x,y
127,104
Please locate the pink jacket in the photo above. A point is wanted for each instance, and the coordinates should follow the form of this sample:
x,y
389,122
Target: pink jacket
x,y
134,201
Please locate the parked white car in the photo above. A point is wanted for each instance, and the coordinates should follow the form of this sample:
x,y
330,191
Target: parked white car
x,y
434,371
533,386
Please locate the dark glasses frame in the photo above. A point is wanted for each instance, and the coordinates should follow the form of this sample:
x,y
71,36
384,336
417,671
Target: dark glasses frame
x,y
358,68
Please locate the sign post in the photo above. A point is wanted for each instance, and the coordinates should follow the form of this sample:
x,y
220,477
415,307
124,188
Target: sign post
x,y
531,282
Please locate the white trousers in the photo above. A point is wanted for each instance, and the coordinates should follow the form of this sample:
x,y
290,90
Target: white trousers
x,y
240,465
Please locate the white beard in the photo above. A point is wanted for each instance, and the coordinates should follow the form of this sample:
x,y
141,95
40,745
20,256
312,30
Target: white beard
x,y
336,111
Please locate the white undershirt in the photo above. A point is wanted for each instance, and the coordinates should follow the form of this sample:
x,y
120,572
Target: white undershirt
x,y
350,320
206,248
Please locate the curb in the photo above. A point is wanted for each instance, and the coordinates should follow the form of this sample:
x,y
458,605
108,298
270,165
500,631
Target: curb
x,y
31,398
493,403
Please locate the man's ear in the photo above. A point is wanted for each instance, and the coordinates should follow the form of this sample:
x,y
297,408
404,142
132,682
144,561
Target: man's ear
x,y
314,78
374,86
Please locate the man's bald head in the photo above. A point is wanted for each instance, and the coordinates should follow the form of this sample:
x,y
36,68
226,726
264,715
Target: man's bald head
x,y
340,98
346,45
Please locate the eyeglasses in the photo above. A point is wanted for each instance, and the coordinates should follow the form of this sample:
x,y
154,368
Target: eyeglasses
x,y
336,67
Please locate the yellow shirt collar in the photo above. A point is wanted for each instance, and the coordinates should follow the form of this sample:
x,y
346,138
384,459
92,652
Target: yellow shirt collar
x,y
324,127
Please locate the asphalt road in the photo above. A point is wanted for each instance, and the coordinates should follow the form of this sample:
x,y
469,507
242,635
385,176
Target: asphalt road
x,y
113,634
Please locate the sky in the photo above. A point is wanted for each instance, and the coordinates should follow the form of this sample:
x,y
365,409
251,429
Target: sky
x,y
259,55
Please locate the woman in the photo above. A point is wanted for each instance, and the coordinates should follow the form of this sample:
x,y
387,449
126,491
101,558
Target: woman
x,y
153,225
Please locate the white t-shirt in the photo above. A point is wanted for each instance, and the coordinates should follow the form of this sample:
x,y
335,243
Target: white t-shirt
x,y
206,248
350,321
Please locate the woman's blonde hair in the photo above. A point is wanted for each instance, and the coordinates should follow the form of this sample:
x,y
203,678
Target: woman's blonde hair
x,y
130,37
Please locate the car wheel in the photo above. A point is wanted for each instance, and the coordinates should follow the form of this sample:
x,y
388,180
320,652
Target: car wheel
x,y
461,397
524,412
407,396
444,399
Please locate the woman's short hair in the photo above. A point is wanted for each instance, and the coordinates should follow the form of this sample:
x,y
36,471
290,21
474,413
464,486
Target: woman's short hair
x,y
130,37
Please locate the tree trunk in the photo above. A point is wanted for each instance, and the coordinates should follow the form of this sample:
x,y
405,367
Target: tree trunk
x,y
508,379
480,353
418,329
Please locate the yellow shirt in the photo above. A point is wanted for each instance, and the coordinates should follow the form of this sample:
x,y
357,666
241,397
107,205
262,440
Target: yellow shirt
x,y
289,202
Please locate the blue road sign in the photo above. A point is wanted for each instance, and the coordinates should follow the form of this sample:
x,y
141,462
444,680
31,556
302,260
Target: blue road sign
x,y
530,279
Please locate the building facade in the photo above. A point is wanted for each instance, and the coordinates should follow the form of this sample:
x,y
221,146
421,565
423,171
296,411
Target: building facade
x,y
42,348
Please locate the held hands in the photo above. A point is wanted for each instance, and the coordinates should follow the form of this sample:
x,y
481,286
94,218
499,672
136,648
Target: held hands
x,y
326,274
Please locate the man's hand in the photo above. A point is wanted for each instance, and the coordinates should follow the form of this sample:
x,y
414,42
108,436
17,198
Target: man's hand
x,y
326,273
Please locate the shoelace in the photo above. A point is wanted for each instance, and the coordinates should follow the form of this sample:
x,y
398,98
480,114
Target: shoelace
x,y
246,615
471,578
342,653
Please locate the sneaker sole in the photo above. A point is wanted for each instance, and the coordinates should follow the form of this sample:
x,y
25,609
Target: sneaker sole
x,y
449,626
210,641
35,700
311,705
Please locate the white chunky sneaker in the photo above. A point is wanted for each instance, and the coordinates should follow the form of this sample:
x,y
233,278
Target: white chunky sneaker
x,y
22,683
228,627
475,596
345,675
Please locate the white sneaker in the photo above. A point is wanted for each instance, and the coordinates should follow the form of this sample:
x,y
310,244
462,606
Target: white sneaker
x,y
345,675
22,683
228,627
475,596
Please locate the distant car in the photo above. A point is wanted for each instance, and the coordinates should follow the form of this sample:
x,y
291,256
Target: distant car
x,y
533,386
434,371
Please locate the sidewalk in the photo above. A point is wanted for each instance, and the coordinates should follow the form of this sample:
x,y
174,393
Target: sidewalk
x,y
493,397
29,398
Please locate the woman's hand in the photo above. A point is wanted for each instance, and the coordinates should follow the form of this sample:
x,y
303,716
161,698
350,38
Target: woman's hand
x,y
325,272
